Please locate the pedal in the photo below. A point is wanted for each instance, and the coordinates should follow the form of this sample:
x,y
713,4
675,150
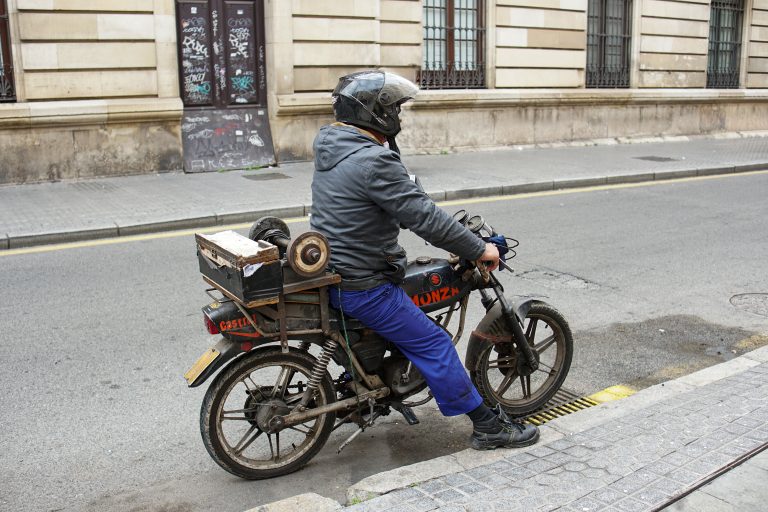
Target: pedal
x,y
408,414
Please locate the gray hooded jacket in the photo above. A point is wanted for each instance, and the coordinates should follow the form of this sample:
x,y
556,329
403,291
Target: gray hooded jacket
x,y
361,194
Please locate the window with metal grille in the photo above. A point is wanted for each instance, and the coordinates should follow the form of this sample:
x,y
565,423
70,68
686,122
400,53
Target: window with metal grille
x,y
454,45
6,65
724,43
609,37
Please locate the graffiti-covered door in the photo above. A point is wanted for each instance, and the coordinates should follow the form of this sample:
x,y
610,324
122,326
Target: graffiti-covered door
x,y
223,84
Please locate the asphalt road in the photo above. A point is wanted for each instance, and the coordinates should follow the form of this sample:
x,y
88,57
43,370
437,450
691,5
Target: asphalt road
x,y
96,415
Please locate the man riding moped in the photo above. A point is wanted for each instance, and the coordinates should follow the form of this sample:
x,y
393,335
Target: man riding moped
x,y
361,195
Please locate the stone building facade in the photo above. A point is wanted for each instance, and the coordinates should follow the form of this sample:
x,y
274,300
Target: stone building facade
x,y
114,87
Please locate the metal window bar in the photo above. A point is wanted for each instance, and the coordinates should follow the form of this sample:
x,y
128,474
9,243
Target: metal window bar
x,y
454,45
609,35
7,92
725,25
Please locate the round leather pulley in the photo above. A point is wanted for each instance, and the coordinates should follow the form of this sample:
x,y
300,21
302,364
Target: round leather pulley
x,y
308,254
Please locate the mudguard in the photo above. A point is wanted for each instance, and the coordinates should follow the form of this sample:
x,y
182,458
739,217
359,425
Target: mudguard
x,y
484,332
227,350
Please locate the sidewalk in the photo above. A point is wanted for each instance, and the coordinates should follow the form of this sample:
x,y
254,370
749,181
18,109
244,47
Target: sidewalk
x,y
45,213
671,445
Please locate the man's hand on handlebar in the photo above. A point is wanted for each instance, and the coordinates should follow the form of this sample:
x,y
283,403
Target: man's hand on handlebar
x,y
490,257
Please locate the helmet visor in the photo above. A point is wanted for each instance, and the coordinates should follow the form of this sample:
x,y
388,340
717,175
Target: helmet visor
x,y
372,87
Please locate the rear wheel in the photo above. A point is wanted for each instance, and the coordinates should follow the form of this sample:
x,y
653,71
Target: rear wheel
x,y
244,398
496,373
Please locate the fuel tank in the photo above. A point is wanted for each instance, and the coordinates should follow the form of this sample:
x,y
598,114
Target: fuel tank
x,y
432,284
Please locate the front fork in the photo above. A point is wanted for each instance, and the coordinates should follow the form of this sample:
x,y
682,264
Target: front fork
x,y
529,363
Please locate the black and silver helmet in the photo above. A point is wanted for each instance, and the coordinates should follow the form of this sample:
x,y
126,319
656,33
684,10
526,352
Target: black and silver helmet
x,y
372,99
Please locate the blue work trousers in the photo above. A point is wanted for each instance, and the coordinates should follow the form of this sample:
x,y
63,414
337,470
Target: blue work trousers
x,y
390,312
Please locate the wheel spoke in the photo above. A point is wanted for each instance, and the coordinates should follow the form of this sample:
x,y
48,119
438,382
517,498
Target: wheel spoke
x,y
507,360
544,344
277,443
235,418
531,331
245,442
551,370
286,374
504,386
297,429
242,411
525,384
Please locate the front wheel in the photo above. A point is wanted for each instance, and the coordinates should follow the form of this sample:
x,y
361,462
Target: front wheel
x,y
244,398
495,373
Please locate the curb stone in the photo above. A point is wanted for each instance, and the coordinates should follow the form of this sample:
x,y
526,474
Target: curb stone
x,y
301,503
400,478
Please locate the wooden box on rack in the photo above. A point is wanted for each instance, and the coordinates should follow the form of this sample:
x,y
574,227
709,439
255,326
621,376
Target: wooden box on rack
x,y
242,269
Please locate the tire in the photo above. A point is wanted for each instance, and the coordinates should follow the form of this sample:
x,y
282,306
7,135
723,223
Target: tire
x,y
237,441
495,374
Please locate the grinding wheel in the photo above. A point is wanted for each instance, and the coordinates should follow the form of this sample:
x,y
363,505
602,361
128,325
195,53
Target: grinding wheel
x,y
308,254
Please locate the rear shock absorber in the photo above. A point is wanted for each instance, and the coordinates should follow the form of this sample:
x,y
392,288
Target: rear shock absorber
x,y
317,372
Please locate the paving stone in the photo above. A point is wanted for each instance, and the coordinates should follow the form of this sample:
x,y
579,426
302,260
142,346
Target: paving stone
x,y
472,488
631,505
479,472
575,466
559,458
494,480
757,435
452,508
407,494
703,467
518,474
748,444
631,483
512,493
403,507
731,450
650,496
449,495
667,486
748,422
660,467
595,444
529,502
579,451
500,466
540,466
561,444
684,476
433,486
457,479
423,504
587,504
607,495
520,458
541,451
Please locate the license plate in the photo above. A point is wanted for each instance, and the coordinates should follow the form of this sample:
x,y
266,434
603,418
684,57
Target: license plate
x,y
201,364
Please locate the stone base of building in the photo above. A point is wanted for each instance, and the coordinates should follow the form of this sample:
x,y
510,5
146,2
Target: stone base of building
x,y
461,120
83,139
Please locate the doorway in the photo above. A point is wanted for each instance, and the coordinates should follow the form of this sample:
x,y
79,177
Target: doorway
x,y
223,85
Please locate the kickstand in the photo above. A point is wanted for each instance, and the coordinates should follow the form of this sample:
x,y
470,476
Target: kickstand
x,y
371,418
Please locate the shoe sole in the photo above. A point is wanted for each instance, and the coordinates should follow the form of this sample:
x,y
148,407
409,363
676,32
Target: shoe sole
x,y
517,444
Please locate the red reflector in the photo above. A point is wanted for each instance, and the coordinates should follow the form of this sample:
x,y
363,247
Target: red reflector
x,y
210,326
246,346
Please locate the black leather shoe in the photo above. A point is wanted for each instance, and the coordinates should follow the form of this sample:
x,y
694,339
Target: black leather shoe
x,y
512,434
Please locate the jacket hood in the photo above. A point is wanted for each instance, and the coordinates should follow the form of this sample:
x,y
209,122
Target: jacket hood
x,y
336,142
